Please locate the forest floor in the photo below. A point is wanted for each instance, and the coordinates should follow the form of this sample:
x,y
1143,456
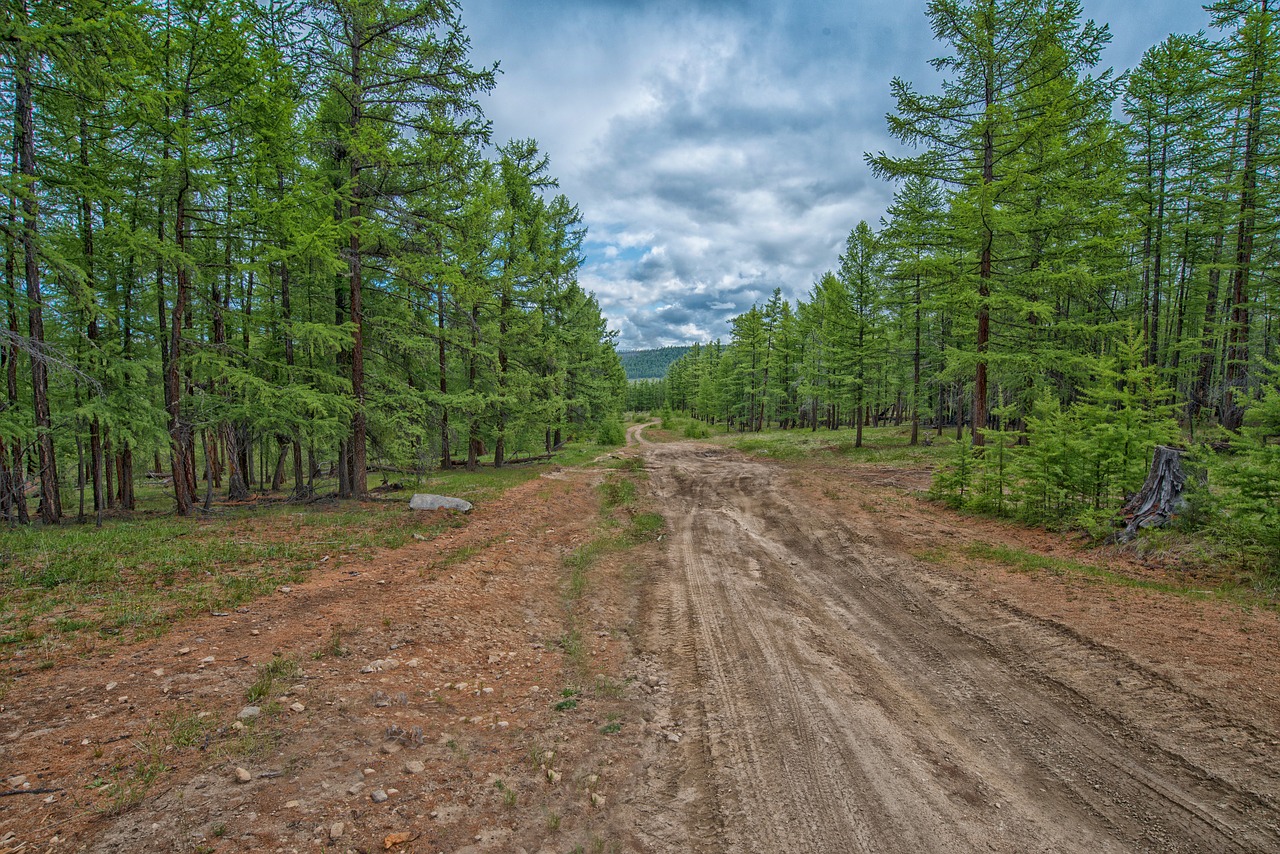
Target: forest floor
x,y
811,657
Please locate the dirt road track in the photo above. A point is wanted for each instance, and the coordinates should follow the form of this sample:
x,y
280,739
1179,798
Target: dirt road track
x,y
833,694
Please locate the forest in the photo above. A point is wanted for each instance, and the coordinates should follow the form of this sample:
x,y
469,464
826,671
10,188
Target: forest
x,y
649,364
1076,267
253,242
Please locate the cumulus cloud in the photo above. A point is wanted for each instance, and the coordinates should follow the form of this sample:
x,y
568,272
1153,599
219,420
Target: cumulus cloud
x,y
715,147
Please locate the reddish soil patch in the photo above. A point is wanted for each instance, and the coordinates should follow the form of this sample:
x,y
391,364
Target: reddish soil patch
x,y
424,703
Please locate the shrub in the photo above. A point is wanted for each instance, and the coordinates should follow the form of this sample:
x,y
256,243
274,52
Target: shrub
x,y
611,432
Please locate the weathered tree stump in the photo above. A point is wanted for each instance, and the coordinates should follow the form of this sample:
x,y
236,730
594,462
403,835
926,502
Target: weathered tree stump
x,y
1160,497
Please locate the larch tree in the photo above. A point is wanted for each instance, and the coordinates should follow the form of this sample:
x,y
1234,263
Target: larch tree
x,y
396,70
1249,87
998,100
910,236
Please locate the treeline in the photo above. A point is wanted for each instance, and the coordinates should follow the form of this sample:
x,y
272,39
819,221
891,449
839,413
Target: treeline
x,y
269,237
1071,287
649,364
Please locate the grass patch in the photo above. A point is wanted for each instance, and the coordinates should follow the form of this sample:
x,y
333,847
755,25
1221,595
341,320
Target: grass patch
x,y
126,786
618,492
133,578
634,465
277,670
138,575
508,794
646,527
190,730
879,445
1021,561
608,688
252,743
333,647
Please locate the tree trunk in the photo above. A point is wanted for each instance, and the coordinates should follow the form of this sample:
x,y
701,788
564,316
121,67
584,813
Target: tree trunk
x,y
108,469
277,479
1160,497
915,373
237,484
180,435
1237,355
50,499
15,484
446,453
984,274
359,484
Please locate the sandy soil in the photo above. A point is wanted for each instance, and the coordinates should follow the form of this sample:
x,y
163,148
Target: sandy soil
x,y
808,661
838,694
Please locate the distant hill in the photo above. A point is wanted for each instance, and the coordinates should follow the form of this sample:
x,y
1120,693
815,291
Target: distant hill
x,y
650,364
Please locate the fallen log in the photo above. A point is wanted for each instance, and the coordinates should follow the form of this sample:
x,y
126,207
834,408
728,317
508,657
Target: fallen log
x,y
515,461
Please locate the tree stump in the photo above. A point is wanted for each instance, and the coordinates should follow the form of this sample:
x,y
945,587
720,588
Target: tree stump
x,y
1160,497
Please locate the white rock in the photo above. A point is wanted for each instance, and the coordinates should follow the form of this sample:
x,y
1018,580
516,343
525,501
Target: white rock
x,y
243,776
423,501
336,830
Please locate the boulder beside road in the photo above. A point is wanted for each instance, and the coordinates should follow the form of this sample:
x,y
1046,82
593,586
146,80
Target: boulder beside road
x,y
439,502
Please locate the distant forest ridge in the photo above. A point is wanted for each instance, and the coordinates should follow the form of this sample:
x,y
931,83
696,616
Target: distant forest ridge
x,y
650,364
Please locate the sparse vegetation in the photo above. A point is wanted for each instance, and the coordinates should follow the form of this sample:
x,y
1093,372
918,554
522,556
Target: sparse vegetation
x,y
278,669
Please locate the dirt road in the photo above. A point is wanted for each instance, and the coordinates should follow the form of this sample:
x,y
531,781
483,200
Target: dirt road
x,y
831,693
808,661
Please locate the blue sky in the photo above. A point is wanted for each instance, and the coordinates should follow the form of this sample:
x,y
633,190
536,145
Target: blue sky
x,y
715,147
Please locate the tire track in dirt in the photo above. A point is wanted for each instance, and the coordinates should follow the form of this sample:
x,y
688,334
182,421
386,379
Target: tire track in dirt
x,y
836,696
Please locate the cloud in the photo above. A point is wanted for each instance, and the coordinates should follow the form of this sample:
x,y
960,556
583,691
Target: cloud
x,y
715,147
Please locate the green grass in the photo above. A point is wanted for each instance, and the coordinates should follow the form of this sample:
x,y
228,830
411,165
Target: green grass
x,y
276,671
879,445
646,527
623,528
1019,560
132,577
633,464
618,492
